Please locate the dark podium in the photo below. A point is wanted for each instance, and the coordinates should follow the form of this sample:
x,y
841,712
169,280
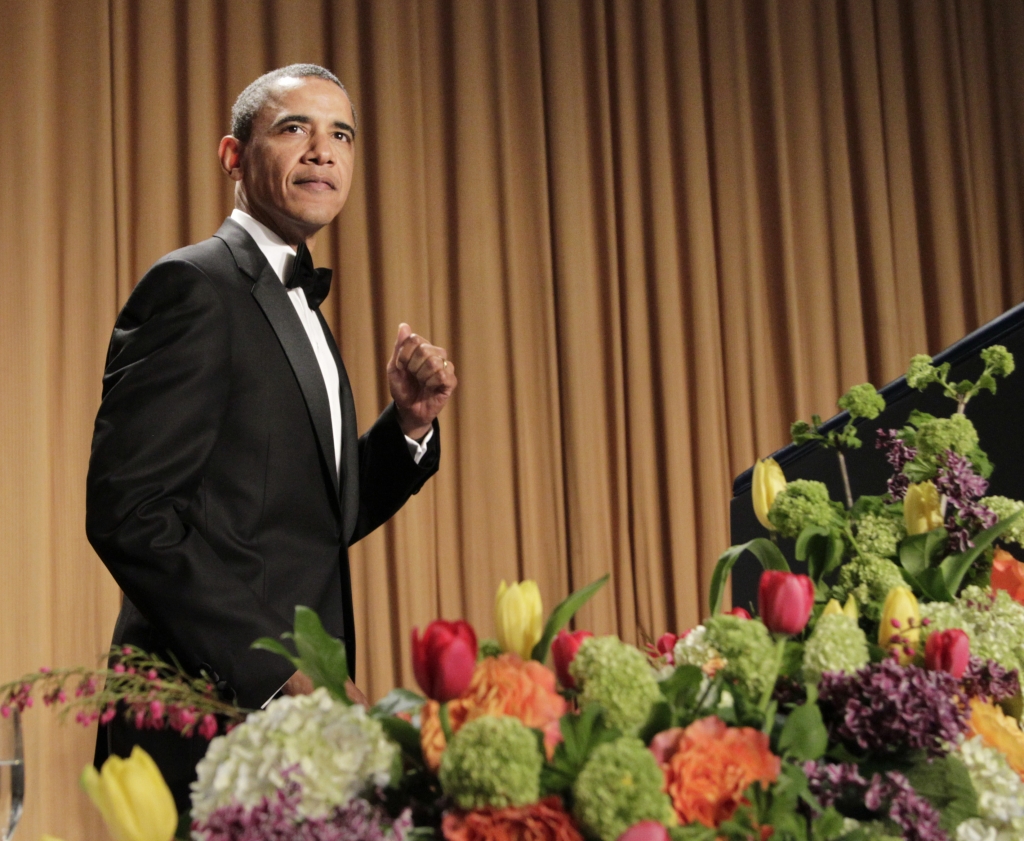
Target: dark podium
x,y
999,419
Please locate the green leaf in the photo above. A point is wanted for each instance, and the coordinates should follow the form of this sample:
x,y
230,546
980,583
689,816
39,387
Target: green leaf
x,y
659,718
761,548
964,387
561,615
920,551
804,735
955,566
917,417
947,784
320,656
184,830
987,381
581,733
397,701
682,685
407,737
933,584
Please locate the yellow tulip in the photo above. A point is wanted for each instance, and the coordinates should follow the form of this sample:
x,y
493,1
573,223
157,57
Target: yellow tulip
x,y
768,481
46,837
518,617
851,609
900,628
922,508
832,608
133,798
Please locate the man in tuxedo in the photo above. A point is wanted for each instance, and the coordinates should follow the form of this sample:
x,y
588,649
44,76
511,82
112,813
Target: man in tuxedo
x,y
227,478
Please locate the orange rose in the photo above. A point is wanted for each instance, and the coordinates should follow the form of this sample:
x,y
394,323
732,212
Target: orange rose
x,y
543,821
711,767
1008,574
999,731
504,685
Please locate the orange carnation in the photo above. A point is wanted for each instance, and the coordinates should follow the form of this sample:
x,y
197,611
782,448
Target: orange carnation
x,y
1008,574
543,821
711,767
505,685
999,731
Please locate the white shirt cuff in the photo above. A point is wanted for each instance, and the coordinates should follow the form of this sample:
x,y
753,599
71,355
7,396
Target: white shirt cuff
x,y
417,449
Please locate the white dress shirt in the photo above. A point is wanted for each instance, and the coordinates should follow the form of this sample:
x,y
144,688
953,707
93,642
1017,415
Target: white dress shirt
x,y
280,255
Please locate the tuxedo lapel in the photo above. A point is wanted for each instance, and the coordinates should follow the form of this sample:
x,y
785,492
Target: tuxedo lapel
x,y
272,297
350,442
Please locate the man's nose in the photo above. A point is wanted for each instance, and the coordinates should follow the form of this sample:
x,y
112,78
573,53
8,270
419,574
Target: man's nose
x,y
320,149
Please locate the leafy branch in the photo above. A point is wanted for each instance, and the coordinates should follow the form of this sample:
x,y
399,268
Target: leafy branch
x,y
998,363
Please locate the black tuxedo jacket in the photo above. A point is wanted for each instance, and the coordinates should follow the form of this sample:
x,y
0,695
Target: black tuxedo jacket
x,y
213,496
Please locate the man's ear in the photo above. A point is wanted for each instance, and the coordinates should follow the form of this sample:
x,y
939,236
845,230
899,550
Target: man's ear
x,y
230,154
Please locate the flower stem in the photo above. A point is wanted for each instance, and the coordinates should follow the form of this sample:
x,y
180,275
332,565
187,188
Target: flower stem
x,y
846,479
446,723
766,696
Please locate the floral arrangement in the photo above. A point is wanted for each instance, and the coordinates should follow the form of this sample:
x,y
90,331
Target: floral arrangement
x,y
875,697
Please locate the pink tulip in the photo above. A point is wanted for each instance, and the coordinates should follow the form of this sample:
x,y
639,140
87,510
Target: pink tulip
x,y
741,612
443,660
563,650
948,651
645,831
784,601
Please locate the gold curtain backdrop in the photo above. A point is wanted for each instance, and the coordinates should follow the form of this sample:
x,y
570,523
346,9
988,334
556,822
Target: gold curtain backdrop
x,y
650,233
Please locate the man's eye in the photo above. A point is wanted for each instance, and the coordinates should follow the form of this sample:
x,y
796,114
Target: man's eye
x,y
343,136
292,129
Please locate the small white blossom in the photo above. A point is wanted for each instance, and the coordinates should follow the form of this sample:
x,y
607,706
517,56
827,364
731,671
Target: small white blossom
x,y
332,750
694,649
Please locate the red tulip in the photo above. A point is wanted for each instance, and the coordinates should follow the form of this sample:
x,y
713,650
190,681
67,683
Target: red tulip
x,y
784,601
444,659
645,831
741,612
563,650
948,651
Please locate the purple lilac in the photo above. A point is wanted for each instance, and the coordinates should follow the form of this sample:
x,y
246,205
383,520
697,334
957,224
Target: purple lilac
x,y
898,454
886,708
279,820
890,794
958,482
987,679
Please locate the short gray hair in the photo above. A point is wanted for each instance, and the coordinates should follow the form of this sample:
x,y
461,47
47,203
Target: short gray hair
x,y
254,97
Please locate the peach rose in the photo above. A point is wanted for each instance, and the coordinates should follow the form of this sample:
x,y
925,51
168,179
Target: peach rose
x,y
1008,574
999,731
505,685
543,821
712,765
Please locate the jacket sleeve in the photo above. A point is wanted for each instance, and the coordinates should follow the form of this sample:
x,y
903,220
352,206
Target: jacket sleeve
x,y
165,392
388,476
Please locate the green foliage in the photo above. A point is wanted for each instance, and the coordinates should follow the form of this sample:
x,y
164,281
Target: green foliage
x,y
318,655
998,363
947,784
804,503
804,735
561,615
861,401
821,548
760,547
581,734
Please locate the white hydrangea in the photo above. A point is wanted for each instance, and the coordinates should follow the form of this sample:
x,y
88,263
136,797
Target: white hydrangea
x,y
332,750
694,649
1000,795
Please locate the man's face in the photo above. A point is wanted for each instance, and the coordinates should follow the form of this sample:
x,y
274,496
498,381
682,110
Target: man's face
x,y
296,168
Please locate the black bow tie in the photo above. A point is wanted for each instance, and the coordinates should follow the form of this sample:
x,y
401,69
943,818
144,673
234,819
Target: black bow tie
x,y
316,283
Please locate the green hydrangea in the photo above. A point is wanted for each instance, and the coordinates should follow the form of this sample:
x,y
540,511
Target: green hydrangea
x,y
869,578
803,503
862,401
880,534
935,436
747,648
998,360
921,371
836,645
492,761
619,786
1004,507
618,677
993,622
488,648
